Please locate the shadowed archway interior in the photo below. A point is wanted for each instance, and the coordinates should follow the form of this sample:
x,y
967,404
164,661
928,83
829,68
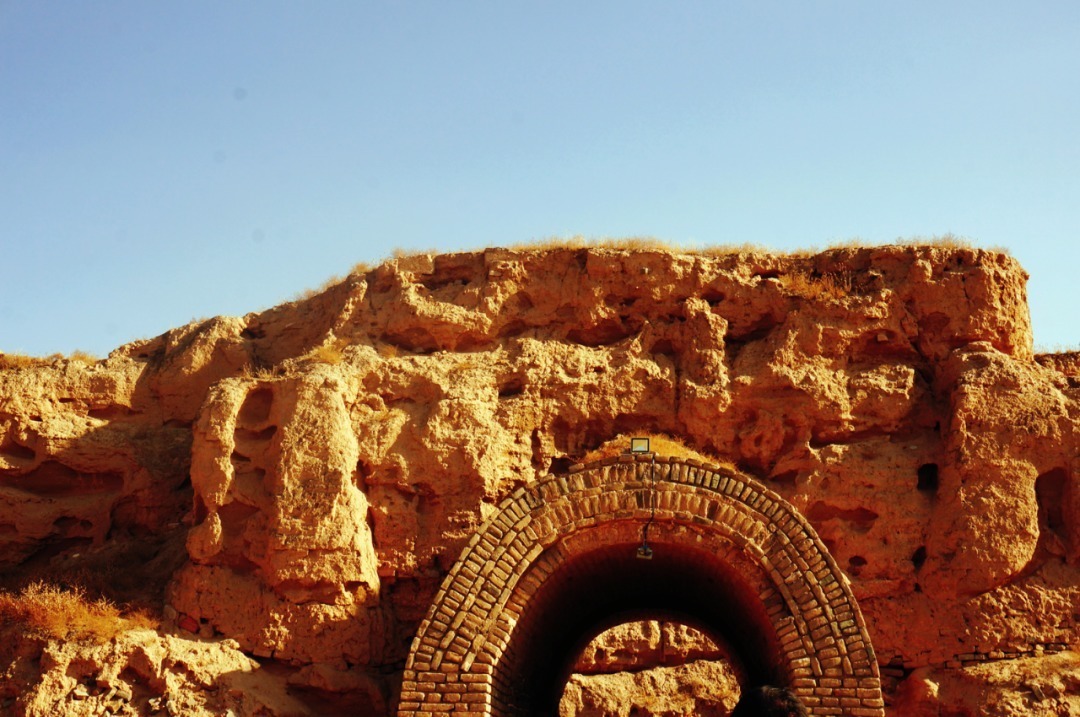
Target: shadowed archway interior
x,y
599,589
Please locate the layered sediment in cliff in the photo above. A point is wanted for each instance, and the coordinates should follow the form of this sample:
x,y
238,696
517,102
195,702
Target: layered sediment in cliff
x,y
298,481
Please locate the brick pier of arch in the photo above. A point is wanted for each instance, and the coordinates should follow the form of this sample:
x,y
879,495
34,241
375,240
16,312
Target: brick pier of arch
x,y
556,564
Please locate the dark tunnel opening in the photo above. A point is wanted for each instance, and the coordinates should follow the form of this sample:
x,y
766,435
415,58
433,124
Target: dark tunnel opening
x,y
604,586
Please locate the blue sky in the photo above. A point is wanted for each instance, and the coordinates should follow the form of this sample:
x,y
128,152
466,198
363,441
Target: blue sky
x,y
161,162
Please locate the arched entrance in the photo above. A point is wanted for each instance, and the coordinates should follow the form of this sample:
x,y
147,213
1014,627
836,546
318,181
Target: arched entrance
x,y
558,563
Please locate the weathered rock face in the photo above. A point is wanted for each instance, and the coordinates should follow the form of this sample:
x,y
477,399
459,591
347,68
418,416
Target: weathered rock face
x,y
651,668
342,449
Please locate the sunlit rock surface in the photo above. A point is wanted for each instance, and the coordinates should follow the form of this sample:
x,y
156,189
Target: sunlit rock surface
x,y
292,486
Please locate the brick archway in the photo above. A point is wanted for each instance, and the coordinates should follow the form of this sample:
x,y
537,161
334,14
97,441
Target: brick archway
x,y
556,563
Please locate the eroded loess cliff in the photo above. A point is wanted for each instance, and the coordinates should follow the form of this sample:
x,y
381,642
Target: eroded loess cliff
x,y
292,486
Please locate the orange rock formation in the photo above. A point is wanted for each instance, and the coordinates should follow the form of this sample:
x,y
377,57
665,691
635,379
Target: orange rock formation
x,y
289,489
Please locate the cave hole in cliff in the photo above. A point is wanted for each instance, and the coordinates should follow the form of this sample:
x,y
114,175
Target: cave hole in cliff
x,y
17,453
1050,494
713,296
256,407
199,511
918,558
606,332
511,386
928,479
785,478
512,329
664,347
855,565
560,465
606,586
111,412
53,479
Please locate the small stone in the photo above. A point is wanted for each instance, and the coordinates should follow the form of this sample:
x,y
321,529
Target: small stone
x,y
80,692
187,622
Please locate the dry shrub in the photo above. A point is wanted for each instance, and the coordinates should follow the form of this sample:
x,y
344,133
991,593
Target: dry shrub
x,y
721,250
331,353
20,361
580,242
51,611
84,357
831,287
24,361
328,353
654,244
259,371
401,253
636,244
1064,350
941,241
574,242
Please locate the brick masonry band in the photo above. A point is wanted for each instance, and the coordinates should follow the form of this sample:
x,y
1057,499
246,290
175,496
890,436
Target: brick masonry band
x,y
827,657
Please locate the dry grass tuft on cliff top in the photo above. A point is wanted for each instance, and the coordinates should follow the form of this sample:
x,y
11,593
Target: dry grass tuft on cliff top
x,y
942,241
51,611
15,361
831,286
21,361
653,244
330,353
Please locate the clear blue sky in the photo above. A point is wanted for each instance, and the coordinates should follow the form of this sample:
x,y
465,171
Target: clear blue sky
x,y
171,160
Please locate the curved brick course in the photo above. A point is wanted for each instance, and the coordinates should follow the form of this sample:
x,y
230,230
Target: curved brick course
x,y
465,658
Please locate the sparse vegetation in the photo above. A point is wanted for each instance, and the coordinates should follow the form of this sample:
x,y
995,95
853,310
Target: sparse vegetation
x,y
829,287
14,361
21,361
945,241
260,372
641,244
330,353
325,286
580,242
83,357
401,253
719,250
942,241
1056,349
68,614
649,243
